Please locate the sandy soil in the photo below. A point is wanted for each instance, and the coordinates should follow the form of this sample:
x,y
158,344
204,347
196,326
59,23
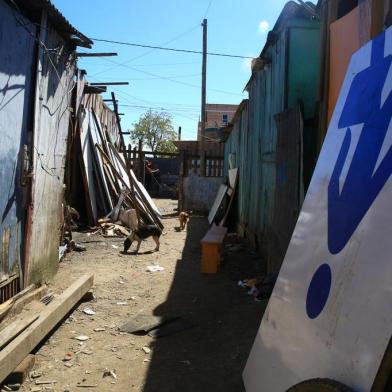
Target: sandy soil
x,y
208,357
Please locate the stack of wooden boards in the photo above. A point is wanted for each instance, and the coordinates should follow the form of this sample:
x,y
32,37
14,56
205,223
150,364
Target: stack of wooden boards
x,y
21,336
106,172
212,242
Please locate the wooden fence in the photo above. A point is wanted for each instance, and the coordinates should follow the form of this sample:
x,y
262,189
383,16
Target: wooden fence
x,y
214,165
190,163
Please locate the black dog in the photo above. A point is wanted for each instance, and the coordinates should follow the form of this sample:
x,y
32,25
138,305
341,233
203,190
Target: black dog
x,y
142,233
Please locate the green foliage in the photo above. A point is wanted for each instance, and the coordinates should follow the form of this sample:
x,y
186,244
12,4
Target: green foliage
x,y
156,131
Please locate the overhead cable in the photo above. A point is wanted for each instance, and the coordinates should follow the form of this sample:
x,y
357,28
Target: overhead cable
x,y
171,49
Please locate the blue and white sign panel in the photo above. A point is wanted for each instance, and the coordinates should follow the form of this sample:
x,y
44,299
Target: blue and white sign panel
x,y
330,314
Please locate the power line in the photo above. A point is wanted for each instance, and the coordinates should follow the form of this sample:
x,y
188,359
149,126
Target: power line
x,y
188,116
170,79
189,111
171,49
152,49
174,112
208,8
165,64
89,62
175,76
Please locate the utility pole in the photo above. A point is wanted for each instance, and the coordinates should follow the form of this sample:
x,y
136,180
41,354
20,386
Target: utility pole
x,y
179,133
203,102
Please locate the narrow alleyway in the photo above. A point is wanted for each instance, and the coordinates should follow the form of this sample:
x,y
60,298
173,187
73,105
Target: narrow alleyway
x,y
208,357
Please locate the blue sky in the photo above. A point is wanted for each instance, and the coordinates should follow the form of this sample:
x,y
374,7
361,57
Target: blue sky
x,y
171,81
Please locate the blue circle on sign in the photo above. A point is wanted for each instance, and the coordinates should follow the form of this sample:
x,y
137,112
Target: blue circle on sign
x,y
318,291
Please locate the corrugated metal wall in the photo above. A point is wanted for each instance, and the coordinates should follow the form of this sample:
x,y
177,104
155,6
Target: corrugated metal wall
x,y
54,87
251,146
17,47
304,64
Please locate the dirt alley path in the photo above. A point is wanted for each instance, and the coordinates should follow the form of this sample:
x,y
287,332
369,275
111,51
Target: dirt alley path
x,y
208,357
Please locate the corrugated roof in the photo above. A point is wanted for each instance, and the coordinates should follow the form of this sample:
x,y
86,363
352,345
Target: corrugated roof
x,y
62,25
238,111
290,10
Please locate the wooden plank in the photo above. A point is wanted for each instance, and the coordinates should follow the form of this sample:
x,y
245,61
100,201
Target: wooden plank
x,y
21,303
15,328
7,306
138,189
94,90
21,372
233,173
233,180
220,196
17,350
114,190
96,134
87,162
136,203
115,107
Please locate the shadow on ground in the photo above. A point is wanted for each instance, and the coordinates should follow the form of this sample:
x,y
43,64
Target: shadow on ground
x,y
211,356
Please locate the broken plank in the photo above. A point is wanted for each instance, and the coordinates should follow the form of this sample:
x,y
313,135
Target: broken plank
x,y
16,351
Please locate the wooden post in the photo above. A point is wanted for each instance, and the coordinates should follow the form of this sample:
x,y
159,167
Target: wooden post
x,y
140,163
143,161
183,172
128,167
134,162
118,122
203,101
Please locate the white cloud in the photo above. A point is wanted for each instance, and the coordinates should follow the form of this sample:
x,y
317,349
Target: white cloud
x,y
247,64
263,27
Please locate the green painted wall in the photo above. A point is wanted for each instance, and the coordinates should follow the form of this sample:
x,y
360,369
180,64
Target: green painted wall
x,y
292,75
303,64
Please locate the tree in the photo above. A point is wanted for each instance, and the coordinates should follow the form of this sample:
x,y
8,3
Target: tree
x,y
156,131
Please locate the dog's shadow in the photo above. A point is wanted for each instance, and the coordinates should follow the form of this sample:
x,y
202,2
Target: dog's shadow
x,y
178,229
134,253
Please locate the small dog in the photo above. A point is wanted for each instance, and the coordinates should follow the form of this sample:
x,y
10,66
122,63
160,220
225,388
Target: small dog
x,y
142,233
183,217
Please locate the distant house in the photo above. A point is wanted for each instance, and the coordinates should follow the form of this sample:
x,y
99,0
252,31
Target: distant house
x,y
218,117
37,70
